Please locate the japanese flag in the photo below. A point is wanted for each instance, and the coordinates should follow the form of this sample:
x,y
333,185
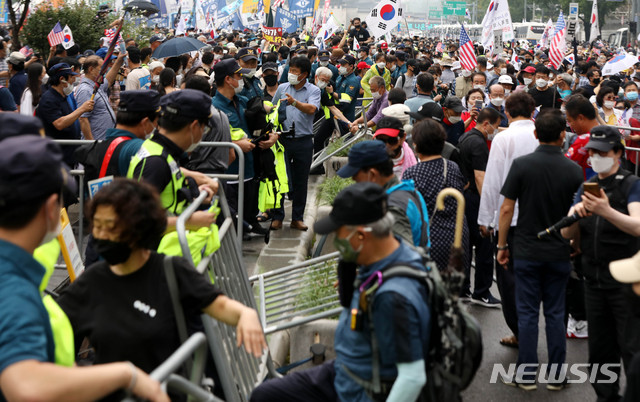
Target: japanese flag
x,y
68,37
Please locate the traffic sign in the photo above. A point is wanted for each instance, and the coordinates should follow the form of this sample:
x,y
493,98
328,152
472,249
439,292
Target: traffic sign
x,y
454,8
573,10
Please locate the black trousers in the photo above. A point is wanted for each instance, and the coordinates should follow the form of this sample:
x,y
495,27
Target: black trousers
x,y
613,334
483,277
507,286
250,201
298,153
311,385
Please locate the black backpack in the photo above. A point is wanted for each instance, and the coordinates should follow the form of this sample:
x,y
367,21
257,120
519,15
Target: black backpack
x,y
455,346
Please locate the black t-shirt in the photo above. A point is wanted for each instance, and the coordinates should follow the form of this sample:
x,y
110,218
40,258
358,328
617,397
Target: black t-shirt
x,y
474,154
544,183
544,99
53,106
131,317
361,35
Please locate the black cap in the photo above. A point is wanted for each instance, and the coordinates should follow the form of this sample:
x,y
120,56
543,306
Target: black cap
x,y
156,38
189,103
32,168
363,154
324,55
402,56
270,66
60,69
348,59
454,103
359,204
228,67
139,100
428,110
14,124
603,138
247,53
364,49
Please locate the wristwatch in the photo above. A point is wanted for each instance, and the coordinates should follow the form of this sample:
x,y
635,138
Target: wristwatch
x,y
294,103
505,247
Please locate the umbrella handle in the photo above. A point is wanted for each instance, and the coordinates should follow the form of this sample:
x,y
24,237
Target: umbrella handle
x,y
452,192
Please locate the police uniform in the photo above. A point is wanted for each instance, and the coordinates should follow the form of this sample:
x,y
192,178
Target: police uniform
x,y
324,56
158,159
348,86
252,87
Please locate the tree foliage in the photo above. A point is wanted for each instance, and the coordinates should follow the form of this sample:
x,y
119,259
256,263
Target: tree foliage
x,y
17,19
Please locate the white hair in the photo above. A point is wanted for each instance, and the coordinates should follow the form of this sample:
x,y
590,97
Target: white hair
x,y
325,72
379,81
379,228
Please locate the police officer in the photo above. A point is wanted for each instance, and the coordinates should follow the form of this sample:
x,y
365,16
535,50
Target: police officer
x,y
399,312
323,61
347,87
608,231
248,59
184,119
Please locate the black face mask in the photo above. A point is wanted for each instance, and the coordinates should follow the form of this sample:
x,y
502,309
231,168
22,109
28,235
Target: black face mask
x,y
270,80
113,252
596,81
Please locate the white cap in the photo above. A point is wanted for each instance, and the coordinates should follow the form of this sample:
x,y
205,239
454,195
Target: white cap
x,y
489,66
505,79
455,65
155,64
399,111
627,270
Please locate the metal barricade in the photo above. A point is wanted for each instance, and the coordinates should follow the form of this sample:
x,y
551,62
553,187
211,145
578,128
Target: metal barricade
x,y
298,294
239,372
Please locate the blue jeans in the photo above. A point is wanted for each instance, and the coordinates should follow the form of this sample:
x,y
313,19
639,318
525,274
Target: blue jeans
x,y
538,281
298,153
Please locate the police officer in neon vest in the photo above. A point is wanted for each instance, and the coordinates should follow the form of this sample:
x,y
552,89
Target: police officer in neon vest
x,y
184,120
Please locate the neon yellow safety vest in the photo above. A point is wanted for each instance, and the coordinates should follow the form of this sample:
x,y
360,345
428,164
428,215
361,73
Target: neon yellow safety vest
x,y
169,195
237,134
269,192
47,255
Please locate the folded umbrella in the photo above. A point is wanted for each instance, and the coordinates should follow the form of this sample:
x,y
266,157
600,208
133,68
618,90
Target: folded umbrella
x,y
176,47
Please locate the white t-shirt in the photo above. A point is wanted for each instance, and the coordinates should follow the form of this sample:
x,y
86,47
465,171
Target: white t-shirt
x,y
138,78
26,106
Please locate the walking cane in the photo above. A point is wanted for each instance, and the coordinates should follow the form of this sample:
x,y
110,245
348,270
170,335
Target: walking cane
x,y
454,274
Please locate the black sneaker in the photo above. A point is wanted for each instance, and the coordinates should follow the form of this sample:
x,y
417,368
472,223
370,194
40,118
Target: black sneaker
x,y
256,229
488,301
466,296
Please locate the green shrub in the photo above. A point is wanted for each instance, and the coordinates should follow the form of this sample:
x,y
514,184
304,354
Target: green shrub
x,y
330,187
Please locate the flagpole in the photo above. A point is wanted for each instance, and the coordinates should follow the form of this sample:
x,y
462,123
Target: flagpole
x,y
105,63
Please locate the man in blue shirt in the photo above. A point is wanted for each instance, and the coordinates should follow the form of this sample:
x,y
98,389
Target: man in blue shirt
x,y
228,75
362,225
302,100
248,59
323,61
32,181
18,80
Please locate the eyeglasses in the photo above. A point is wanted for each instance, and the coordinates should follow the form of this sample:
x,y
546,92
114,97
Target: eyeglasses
x,y
388,140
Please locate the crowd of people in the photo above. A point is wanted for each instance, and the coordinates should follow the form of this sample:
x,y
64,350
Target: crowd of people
x,y
525,142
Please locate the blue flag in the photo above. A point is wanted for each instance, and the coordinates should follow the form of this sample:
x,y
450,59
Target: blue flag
x,y
301,8
286,20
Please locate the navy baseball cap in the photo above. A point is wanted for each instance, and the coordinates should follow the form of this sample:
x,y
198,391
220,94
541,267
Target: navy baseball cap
x,y
156,38
359,204
247,53
102,53
347,59
363,154
14,124
189,103
61,69
228,67
32,168
324,55
139,100
603,138
270,66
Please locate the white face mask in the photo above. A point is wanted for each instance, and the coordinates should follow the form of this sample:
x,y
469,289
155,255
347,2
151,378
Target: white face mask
x,y
193,145
479,86
455,119
324,63
507,92
550,82
503,71
293,79
601,164
46,79
563,109
527,81
217,57
376,95
321,84
381,65
240,86
540,83
497,102
50,235
155,79
342,70
393,68
251,73
68,89
609,104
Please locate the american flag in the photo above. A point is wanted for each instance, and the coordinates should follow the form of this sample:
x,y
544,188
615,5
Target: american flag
x,y
439,47
467,55
277,3
56,36
558,44
27,51
110,33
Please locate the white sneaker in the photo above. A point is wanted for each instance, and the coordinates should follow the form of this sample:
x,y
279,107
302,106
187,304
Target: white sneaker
x,y
581,330
571,325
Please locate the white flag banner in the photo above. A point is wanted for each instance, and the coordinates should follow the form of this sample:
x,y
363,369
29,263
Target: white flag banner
x,y
68,37
326,32
548,31
384,17
356,44
595,26
498,16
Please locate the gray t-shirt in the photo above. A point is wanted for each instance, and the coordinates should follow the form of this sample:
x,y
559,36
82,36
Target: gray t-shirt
x,y
407,86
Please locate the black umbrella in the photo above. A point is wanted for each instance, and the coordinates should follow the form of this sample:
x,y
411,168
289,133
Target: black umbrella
x,y
143,7
177,46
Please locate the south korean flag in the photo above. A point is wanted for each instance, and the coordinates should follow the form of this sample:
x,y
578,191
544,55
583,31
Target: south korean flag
x,y
384,17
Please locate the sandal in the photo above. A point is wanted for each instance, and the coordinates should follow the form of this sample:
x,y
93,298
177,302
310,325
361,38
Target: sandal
x,y
263,217
509,341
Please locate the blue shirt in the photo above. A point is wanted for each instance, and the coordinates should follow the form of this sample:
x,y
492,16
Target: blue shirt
x,y
17,83
7,104
25,330
235,113
53,106
415,102
251,88
402,324
127,149
102,116
309,93
330,66
349,84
